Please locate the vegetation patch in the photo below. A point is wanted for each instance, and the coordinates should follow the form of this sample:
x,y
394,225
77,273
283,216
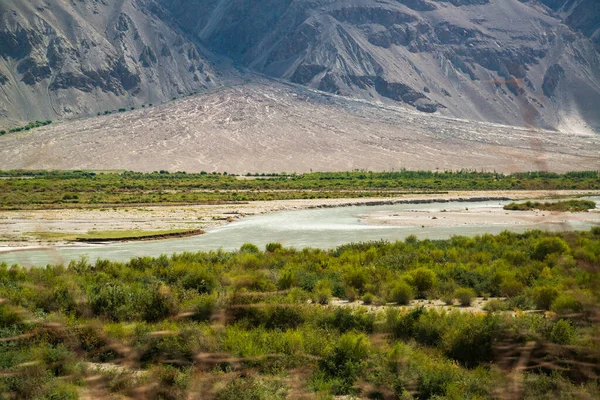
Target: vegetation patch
x,y
54,189
114,236
566,206
27,127
254,324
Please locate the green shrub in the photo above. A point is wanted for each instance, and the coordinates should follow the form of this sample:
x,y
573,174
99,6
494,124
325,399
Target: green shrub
x,y
402,325
344,319
544,296
172,383
8,317
111,300
63,391
286,279
423,280
448,298
350,294
563,332
249,248
323,292
344,363
284,318
368,299
430,327
199,279
521,303
566,304
435,378
549,245
511,287
495,305
401,293
465,296
273,247
471,339
205,308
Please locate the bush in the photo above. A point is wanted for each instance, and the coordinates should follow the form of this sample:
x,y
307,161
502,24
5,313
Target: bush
x,y
172,383
345,319
323,292
111,300
511,287
544,296
249,248
8,317
401,293
286,280
273,247
435,378
566,304
402,326
495,305
157,303
368,299
563,332
471,339
465,296
199,279
448,299
205,308
63,391
549,245
344,363
423,280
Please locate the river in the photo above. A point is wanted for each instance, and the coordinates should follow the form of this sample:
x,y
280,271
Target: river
x,y
322,228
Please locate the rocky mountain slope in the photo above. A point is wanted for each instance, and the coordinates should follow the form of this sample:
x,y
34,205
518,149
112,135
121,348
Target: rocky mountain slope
x,y
70,58
529,63
508,61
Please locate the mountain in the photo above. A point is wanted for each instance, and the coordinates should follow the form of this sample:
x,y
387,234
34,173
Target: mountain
x,y
580,15
70,58
533,63
507,61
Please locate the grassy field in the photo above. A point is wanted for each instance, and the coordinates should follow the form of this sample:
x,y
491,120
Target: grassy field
x,y
42,189
261,324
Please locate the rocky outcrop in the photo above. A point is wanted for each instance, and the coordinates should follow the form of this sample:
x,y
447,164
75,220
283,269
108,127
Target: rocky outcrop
x,y
554,75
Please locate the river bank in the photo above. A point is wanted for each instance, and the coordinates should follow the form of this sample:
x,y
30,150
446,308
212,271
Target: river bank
x,y
32,228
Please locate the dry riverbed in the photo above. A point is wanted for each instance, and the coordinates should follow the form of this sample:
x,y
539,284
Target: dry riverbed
x,y
43,228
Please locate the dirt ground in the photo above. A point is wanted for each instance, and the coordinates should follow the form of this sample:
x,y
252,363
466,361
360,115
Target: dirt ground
x,y
18,228
466,216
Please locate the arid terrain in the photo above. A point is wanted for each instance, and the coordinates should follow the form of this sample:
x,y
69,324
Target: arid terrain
x,y
274,127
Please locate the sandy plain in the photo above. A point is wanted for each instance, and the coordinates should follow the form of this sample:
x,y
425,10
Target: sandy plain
x,y
279,127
